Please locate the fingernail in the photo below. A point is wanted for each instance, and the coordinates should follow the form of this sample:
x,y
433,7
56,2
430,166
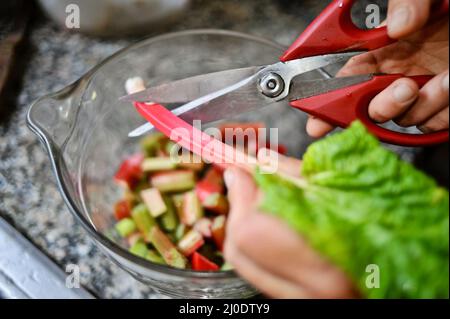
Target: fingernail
x,y
424,129
403,93
228,178
445,82
399,19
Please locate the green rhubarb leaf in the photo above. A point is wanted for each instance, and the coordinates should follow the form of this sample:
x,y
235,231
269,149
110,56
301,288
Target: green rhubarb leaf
x,y
361,205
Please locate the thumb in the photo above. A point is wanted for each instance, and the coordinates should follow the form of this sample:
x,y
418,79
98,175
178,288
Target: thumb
x,y
407,16
242,193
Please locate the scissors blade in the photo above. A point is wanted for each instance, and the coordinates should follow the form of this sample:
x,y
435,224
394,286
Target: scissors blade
x,y
237,98
195,87
192,88
141,130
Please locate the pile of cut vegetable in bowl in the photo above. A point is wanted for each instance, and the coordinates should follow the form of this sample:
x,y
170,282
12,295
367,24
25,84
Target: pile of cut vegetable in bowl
x,y
173,211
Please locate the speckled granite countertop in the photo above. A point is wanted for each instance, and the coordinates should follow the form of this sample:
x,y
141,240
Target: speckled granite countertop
x,y
29,198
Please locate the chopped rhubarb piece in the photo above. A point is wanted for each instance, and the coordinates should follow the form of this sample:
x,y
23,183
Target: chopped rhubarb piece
x,y
154,257
218,167
154,201
201,263
155,164
122,209
177,199
216,203
211,183
130,171
214,176
134,238
171,236
205,189
166,248
169,220
190,161
226,266
144,221
203,226
152,143
130,196
175,181
139,249
161,153
171,148
180,231
218,231
190,242
191,210
125,227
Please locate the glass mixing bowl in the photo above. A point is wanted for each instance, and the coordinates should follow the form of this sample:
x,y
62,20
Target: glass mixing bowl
x,y
84,128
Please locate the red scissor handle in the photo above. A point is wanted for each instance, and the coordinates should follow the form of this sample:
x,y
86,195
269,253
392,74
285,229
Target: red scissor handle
x,y
342,107
333,31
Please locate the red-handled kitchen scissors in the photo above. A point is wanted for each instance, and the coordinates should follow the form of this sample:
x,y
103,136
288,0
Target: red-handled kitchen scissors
x,y
332,38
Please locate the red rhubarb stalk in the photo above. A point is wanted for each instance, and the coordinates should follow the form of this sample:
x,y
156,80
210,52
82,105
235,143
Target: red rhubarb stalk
x,y
130,172
122,209
216,203
191,210
166,248
201,263
203,226
154,201
218,231
174,181
190,242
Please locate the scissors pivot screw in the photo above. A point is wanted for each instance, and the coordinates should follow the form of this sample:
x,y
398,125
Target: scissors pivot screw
x,y
271,85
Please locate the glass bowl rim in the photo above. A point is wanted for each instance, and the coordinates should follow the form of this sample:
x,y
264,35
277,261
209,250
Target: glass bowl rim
x,y
54,154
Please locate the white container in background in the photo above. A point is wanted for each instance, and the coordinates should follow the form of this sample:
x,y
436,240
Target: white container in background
x,y
116,17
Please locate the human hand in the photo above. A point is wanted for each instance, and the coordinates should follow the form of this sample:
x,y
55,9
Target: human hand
x,y
268,253
422,49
